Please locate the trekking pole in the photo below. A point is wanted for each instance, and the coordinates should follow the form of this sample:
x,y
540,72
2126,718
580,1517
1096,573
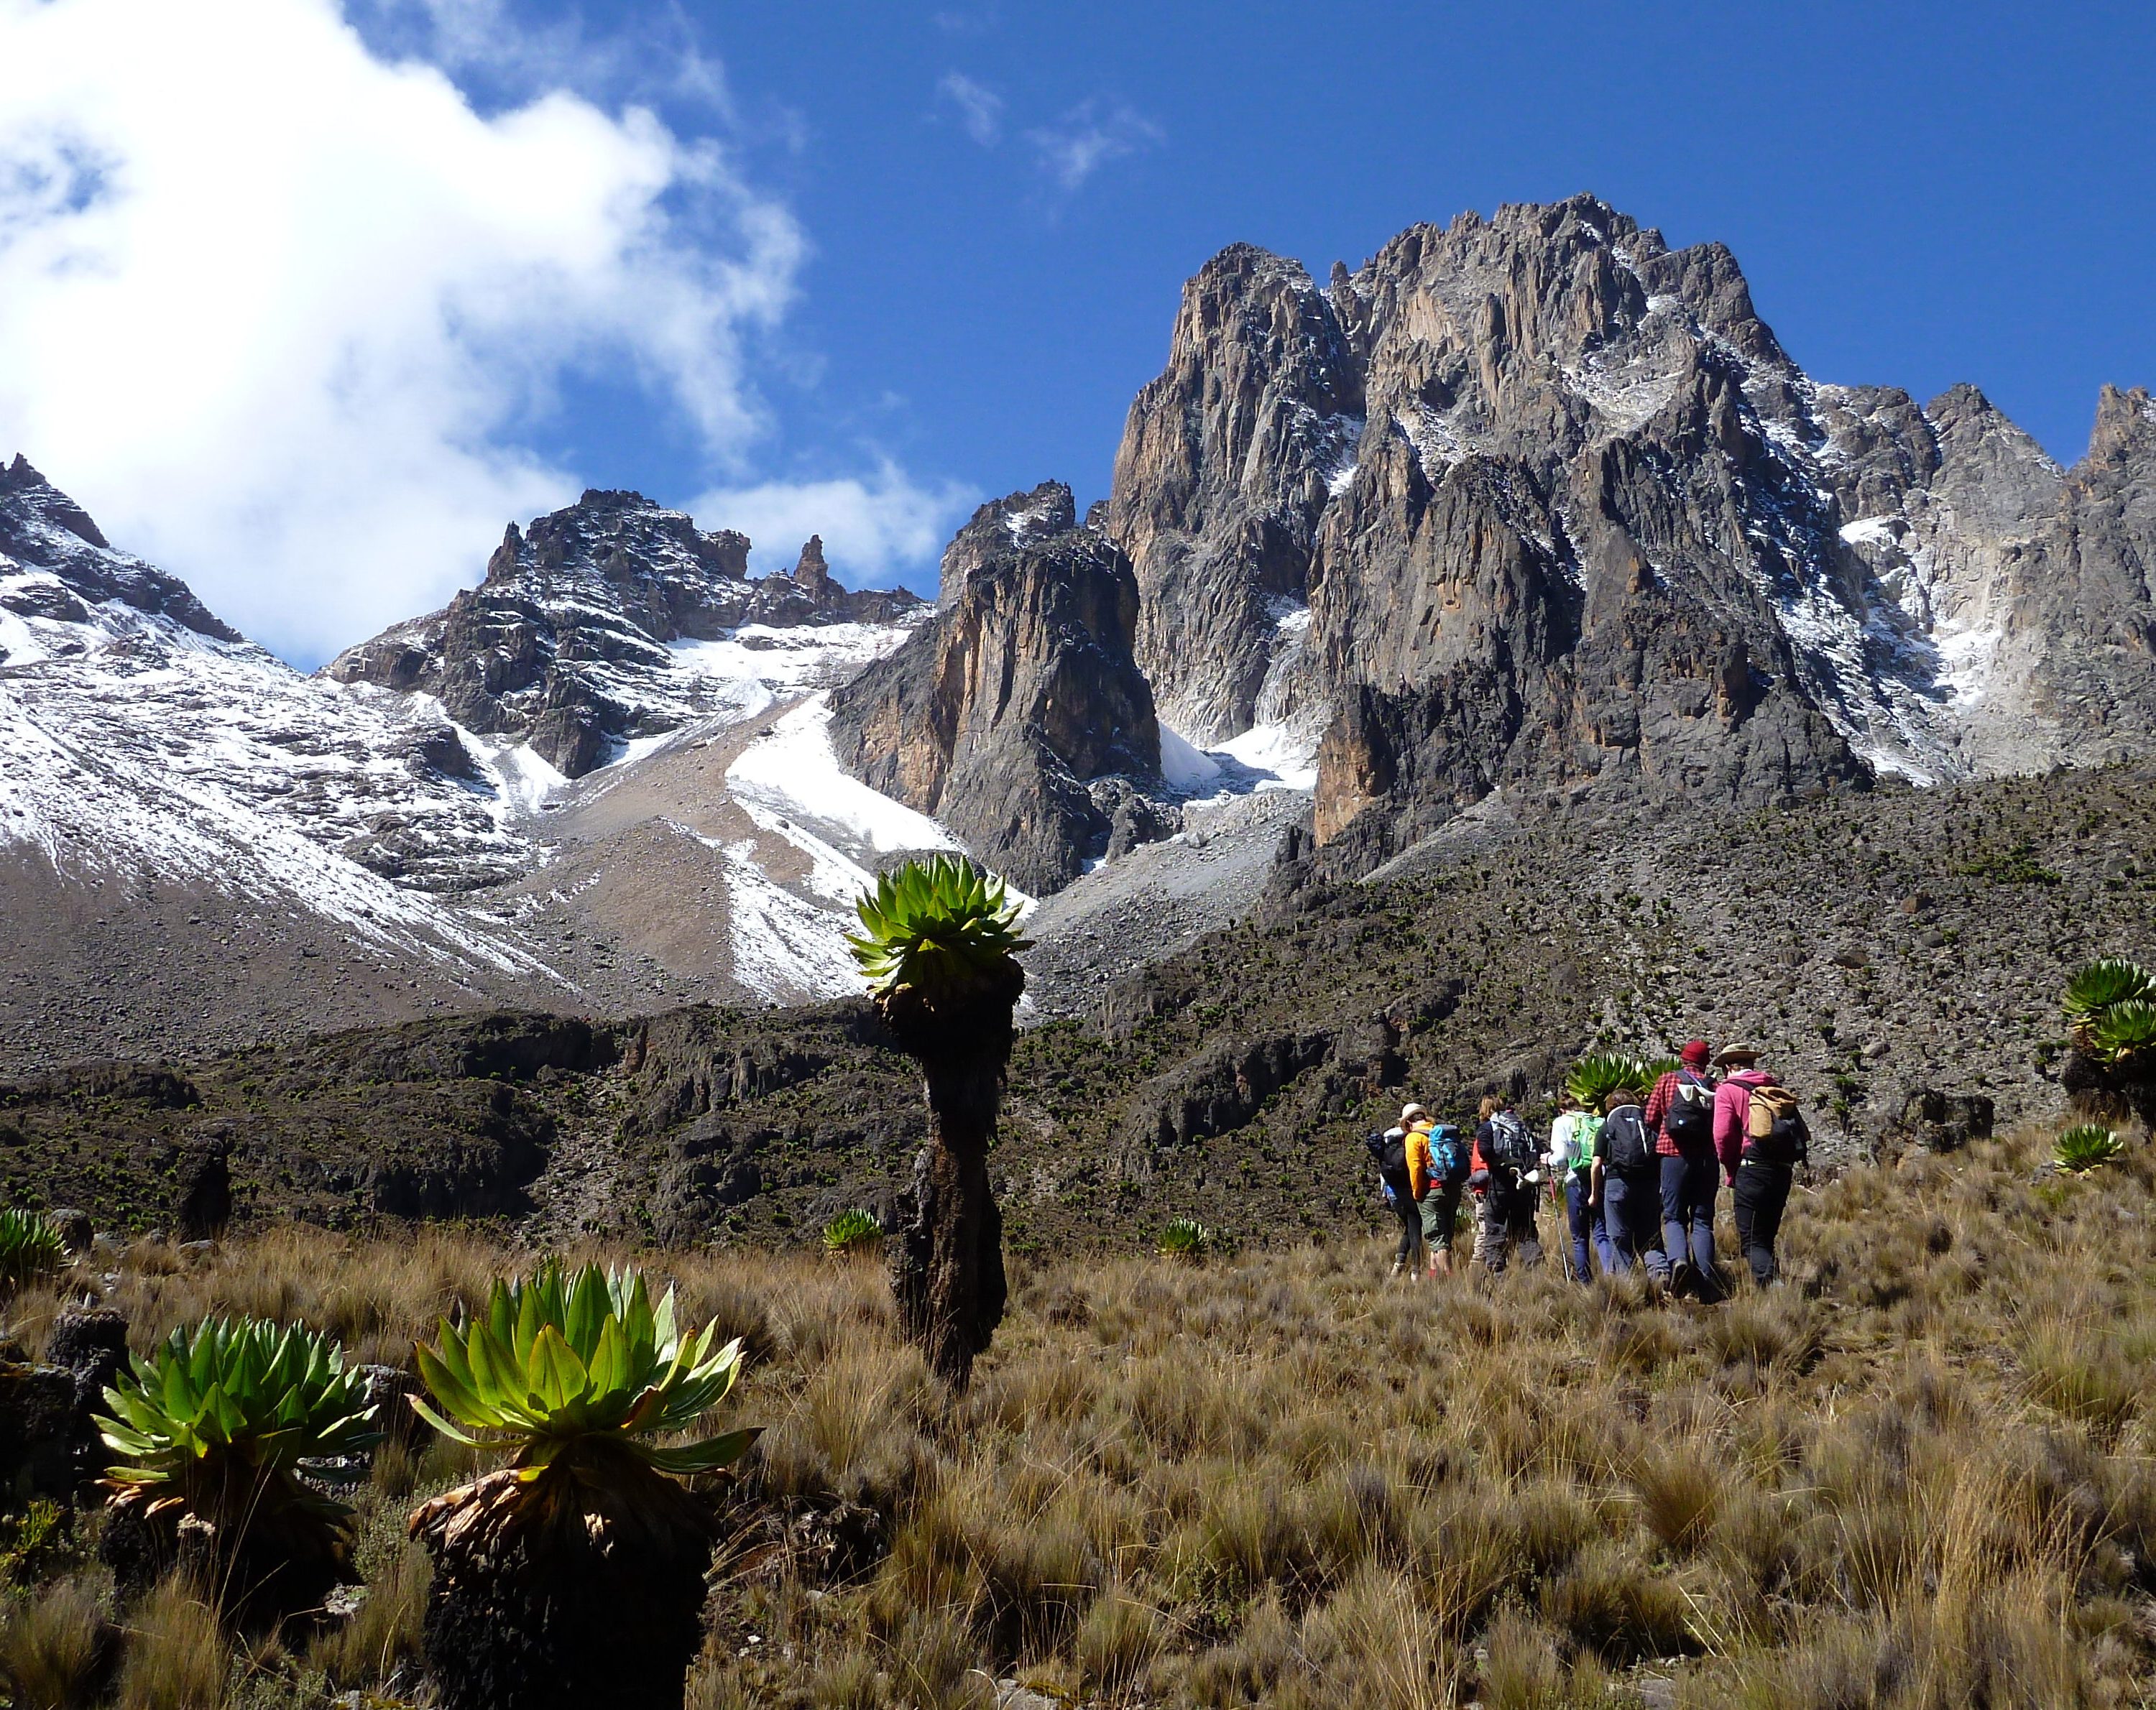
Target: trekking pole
x,y
1563,1229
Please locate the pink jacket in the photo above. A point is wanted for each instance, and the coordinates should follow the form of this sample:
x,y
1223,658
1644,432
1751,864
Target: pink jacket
x,y
1732,1109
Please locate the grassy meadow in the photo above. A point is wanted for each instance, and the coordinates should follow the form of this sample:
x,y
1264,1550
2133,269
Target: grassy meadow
x,y
1920,1473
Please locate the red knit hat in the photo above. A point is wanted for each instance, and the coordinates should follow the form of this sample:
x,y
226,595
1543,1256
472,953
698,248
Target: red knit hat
x,y
1694,1055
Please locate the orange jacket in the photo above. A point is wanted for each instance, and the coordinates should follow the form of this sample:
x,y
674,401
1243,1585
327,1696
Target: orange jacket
x,y
1418,1158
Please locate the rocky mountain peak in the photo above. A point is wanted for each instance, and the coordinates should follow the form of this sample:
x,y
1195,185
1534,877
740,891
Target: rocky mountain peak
x,y
1038,513
568,643
1017,716
56,565
810,569
2125,426
1535,500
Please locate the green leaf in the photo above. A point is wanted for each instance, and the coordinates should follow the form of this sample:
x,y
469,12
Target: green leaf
x,y
705,1457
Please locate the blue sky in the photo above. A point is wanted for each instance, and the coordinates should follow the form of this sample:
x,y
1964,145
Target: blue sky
x,y
1920,194
374,276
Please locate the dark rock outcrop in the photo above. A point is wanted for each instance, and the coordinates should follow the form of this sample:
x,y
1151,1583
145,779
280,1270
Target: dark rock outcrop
x,y
43,530
565,644
1017,716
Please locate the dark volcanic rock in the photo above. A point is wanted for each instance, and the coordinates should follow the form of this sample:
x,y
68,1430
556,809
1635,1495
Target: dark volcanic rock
x,y
565,642
1945,1122
1017,716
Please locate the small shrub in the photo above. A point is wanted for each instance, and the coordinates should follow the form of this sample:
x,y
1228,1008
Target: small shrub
x,y
34,1544
2086,1146
1187,1239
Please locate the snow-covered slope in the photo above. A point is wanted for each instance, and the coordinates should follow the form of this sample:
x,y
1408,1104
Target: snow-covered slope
x,y
329,851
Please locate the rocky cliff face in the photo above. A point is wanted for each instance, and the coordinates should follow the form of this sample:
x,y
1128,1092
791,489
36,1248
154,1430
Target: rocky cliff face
x,y
55,565
568,644
1537,501
1017,716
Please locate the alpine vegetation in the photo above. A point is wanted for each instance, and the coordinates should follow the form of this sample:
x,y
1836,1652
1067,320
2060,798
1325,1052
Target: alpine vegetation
x,y
1185,1238
575,1575
214,1429
939,943
30,1248
851,1232
1597,1075
2110,1008
2086,1146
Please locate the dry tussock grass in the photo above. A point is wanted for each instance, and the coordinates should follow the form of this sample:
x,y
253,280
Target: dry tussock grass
x,y
1920,1475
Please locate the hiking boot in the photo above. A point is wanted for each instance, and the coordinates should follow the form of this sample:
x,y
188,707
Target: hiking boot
x,y
1395,1276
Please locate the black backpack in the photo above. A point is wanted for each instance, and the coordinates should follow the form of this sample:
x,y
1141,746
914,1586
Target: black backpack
x,y
1508,1147
1390,1150
1624,1141
1689,1122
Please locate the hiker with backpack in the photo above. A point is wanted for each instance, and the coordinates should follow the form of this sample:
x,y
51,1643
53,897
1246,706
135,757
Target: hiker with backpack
x,y
1390,1150
1446,1154
1627,1181
1762,1137
1504,1166
1572,1164
1680,1115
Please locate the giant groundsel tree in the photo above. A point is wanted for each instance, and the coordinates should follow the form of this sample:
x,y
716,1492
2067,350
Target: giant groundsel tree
x,y
939,943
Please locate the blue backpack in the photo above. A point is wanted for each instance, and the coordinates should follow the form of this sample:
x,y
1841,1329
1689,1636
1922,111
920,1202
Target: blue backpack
x,y
1449,1155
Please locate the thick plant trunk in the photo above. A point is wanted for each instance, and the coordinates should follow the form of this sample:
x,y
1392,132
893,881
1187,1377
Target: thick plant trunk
x,y
948,1264
262,1560
589,1602
2100,1092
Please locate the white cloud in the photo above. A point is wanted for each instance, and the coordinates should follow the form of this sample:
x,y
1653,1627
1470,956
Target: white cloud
x,y
980,109
1089,135
873,530
283,313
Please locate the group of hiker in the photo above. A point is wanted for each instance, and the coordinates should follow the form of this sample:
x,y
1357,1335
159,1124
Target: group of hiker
x,y
1637,1180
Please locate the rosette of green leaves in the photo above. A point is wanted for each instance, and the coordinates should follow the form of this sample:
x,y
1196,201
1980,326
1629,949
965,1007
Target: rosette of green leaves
x,y
2125,1034
1599,1073
2086,1146
30,1247
1185,1238
2104,984
936,926
853,1232
557,1363
261,1396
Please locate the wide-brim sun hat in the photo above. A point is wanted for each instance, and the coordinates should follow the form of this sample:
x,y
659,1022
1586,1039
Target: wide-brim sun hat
x,y
1737,1053
1411,1112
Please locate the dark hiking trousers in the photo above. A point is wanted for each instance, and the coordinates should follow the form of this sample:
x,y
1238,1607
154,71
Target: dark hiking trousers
x,y
1508,1221
1584,1224
1410,1216
1689,1187
1763,1191
1632,1206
